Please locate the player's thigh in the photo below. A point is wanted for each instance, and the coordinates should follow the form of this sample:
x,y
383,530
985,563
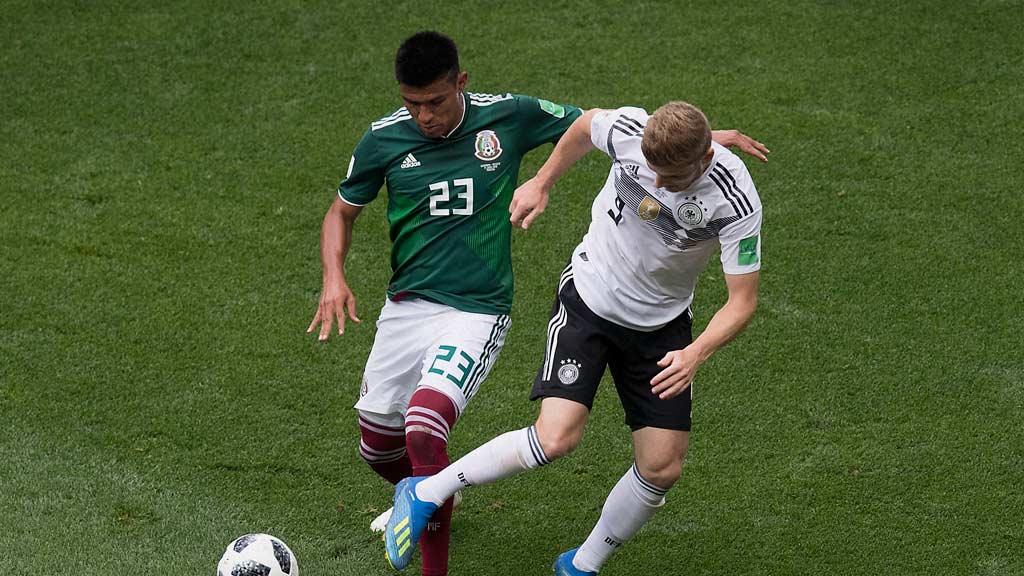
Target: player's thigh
x,y
575,353
634,363
405,333
463,349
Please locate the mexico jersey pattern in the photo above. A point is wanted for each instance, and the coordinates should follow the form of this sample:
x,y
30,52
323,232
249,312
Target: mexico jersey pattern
x,y
640,260
448,198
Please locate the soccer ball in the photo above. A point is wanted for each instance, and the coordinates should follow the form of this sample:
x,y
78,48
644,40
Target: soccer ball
x,y
258,555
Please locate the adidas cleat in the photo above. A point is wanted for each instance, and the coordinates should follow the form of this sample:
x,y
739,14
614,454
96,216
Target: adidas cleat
x,y
407,522
563,565
380,522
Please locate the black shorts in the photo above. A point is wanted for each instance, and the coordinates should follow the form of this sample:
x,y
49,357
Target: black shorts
x,y
579,346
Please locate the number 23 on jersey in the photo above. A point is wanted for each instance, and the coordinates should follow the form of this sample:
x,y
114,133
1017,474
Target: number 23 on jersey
x,y
443,203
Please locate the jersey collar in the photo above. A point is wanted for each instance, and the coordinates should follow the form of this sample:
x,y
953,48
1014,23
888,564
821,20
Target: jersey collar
x,y
465,106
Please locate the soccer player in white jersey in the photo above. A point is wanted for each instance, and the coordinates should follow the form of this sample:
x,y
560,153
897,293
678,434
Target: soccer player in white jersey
x,y
672,198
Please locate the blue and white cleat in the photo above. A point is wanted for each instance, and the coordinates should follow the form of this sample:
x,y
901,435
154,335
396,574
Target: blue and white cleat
x,y
406,523
563,565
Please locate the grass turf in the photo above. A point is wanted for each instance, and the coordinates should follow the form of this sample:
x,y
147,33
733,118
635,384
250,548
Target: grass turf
x,y
164,170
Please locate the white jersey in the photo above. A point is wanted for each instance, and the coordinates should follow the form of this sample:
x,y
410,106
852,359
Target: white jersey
x,y
639,262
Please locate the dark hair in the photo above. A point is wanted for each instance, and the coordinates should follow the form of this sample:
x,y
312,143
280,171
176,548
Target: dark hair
x,y
424,58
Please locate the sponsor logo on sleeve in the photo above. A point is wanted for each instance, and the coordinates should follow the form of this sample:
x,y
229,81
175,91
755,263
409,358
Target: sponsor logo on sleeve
x,y
748,251
556,110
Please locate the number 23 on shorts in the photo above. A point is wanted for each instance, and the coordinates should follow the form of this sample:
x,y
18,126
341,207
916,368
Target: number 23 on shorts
x,y
458,369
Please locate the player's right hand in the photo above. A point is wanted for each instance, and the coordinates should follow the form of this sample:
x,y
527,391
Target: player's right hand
x,y
528,202
737,139
336,301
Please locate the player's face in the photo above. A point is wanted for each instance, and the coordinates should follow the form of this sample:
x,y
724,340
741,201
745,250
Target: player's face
x,y
679,178
436,108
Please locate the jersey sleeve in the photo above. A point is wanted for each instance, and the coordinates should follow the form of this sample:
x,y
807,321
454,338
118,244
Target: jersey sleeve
x,y
611,128
365,173
741,244
544,121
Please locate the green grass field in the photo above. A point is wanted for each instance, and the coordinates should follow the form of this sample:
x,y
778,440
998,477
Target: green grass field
x,y
164,169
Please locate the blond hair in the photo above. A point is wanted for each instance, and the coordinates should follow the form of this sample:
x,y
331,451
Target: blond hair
x,y
676,135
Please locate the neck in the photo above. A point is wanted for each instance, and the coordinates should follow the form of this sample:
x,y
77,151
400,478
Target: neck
x,y
462,115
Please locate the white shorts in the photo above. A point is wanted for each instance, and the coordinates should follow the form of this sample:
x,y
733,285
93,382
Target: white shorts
x,y
421,343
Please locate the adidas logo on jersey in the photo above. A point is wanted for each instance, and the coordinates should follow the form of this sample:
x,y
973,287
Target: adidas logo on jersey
x,y
633,170
410,162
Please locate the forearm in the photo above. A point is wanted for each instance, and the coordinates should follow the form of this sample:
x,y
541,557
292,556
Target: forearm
x,y
728,322
335,239
573,145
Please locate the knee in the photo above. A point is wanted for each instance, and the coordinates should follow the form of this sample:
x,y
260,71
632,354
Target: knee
x,y
558,441
663,473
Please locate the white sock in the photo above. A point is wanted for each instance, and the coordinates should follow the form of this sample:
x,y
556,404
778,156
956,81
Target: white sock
x,y
504,456
631,503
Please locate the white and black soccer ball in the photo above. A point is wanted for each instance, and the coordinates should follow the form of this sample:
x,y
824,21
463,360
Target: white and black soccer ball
x,y
258,555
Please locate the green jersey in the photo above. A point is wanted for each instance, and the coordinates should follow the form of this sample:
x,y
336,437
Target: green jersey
x,y
448,198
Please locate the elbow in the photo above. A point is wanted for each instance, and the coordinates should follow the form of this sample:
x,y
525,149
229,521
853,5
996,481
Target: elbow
x,y
745,307
750,306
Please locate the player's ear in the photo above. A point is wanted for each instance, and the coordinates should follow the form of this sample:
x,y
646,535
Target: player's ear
x,y
710,154
461,79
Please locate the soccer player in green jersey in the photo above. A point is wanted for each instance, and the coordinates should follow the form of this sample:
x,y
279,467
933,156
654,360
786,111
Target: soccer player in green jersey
x,y
450,160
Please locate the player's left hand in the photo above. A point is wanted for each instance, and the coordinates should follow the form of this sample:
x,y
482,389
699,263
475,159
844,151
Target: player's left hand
x,y
737,139
528,202
679,368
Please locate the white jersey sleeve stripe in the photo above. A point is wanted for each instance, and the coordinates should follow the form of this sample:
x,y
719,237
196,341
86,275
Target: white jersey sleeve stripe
x,y
725,192
627,129
732,182
629,120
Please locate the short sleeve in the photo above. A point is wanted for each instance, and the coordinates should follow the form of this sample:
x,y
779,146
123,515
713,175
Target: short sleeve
x,y
741,244
611,127
544,121
365,173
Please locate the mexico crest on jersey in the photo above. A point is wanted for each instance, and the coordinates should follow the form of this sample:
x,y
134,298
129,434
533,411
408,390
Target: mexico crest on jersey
x,y
649,209
487,145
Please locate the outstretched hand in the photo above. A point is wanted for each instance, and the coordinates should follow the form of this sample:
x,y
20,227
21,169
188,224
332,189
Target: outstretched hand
x,y
335,302
737,139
